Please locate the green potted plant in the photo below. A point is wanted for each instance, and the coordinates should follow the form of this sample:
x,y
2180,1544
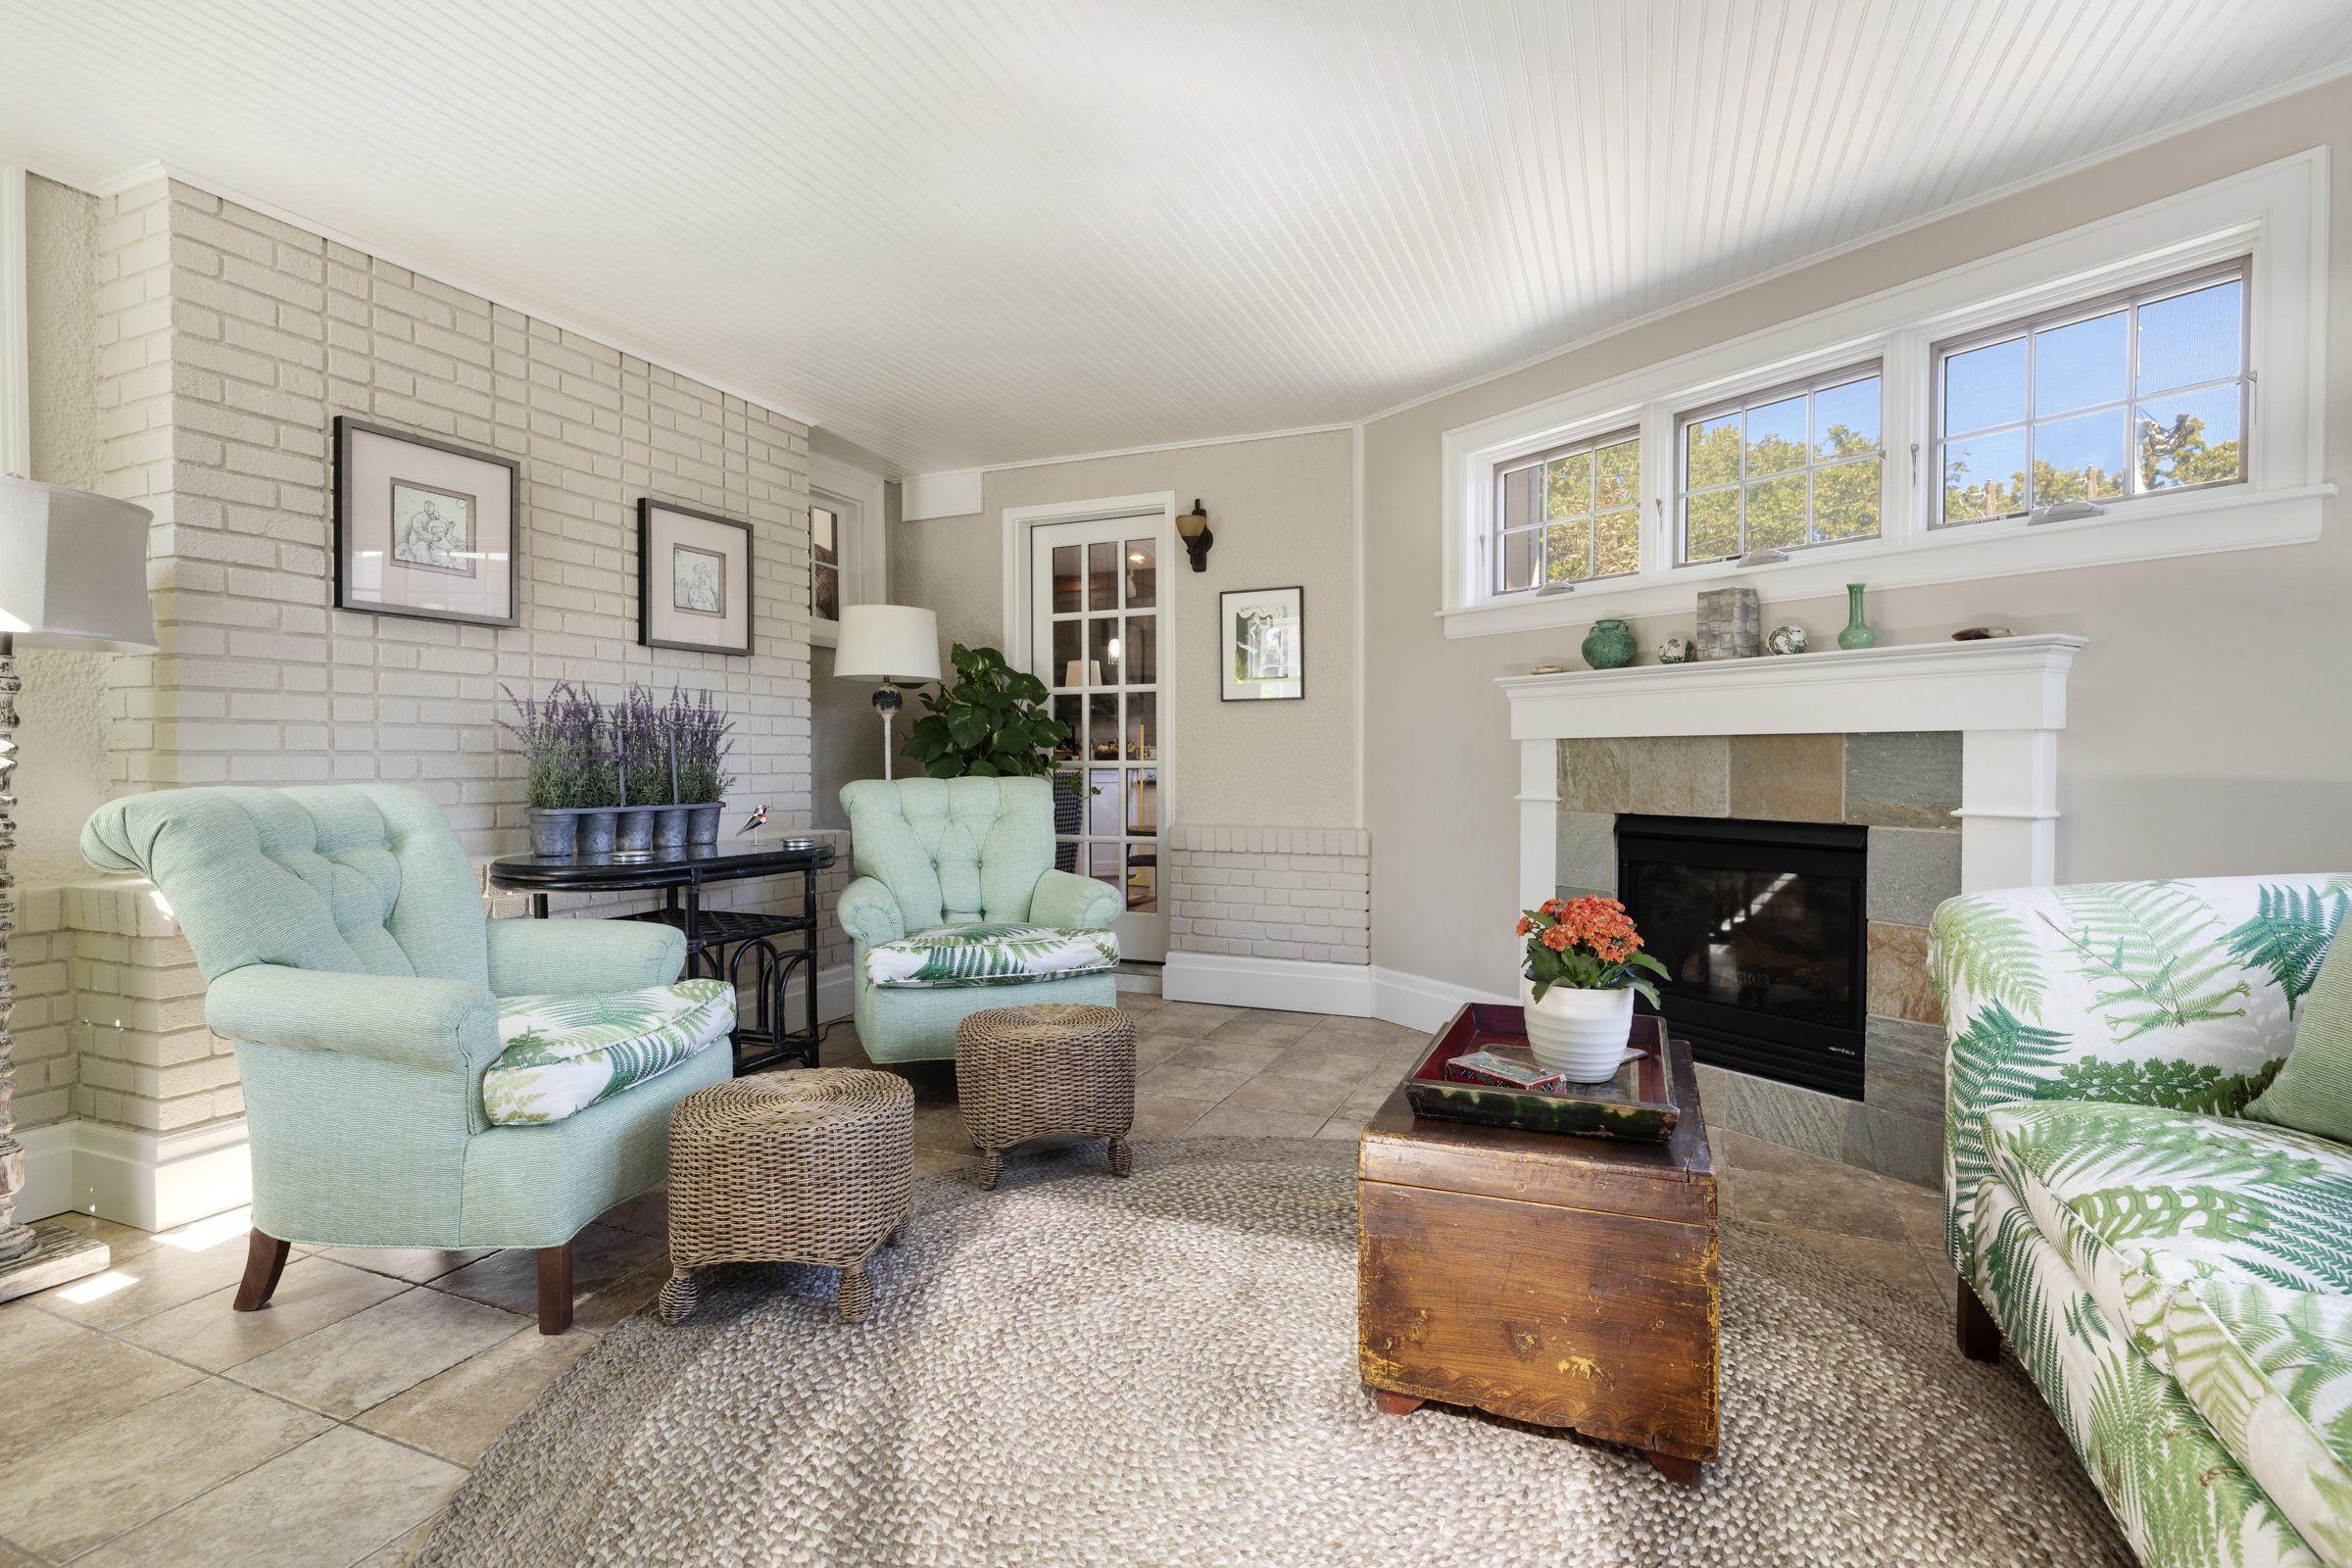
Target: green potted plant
x,y
995,721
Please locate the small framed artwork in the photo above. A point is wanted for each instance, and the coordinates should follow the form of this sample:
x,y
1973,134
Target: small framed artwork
x,y
424,527
1265,643
694,580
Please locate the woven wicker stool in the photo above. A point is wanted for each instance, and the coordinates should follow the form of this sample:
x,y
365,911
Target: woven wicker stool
x,y
1051,1067
815,1166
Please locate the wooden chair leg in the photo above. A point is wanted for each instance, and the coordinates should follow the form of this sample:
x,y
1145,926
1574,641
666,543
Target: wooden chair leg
x,y
1980,1334
265,1261
555,1289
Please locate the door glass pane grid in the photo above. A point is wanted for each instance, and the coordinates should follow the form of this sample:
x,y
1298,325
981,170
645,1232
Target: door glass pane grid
x,y
2112,400
1105,659
1783,469
1570,516
824,563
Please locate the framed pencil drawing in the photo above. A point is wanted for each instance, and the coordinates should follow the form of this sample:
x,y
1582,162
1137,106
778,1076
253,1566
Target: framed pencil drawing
x,y
694,580
425,528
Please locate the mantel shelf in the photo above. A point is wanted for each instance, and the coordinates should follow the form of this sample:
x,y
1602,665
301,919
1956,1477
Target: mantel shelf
x,y
1997,683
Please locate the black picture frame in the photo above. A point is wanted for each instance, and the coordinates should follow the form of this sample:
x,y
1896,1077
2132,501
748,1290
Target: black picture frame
x,y
1293,685
647,506
349,427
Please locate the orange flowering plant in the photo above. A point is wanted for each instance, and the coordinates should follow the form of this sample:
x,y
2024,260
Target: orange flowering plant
x,y
1585,944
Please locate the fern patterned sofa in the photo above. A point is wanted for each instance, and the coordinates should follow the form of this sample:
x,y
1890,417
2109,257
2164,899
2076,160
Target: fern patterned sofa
x,y
957,899
2177,1278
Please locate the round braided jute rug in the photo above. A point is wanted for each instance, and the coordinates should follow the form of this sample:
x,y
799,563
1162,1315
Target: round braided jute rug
x,y
1162,1371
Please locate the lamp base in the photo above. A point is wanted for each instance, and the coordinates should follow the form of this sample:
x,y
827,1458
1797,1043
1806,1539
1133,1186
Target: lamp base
x,y
60,1256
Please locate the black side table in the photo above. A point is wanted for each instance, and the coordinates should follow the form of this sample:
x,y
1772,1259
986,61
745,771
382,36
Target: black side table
x,y
681,875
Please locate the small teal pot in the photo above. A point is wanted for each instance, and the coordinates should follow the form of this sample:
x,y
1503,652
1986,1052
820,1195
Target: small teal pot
x,y
1609,644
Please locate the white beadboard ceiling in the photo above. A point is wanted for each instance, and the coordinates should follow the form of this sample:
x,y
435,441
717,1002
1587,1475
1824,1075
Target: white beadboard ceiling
x,y
960,232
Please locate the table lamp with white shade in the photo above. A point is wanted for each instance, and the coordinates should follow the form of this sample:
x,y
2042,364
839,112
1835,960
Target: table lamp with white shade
x,y
73,575
897,645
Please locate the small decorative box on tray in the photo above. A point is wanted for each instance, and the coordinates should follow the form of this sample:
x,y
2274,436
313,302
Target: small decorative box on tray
x,y
1487,1042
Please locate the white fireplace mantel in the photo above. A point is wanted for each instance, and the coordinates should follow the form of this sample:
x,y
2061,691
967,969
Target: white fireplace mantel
x,y
2006,696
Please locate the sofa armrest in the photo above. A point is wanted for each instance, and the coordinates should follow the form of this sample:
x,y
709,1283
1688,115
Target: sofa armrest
x,y
2177,993
869,913
1073,902
448,1025
533,958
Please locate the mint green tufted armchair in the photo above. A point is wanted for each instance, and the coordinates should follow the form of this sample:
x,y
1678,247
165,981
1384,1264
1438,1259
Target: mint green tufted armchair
x,y
935,853
345,950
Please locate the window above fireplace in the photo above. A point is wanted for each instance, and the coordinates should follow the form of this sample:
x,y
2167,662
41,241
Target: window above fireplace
x,y
2256,241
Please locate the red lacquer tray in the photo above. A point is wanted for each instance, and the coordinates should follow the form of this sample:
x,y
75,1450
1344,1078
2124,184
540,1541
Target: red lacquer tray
x,y
1638,1104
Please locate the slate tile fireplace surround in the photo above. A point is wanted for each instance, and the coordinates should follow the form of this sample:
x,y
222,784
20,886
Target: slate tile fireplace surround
x,y
1854,1070
1943,754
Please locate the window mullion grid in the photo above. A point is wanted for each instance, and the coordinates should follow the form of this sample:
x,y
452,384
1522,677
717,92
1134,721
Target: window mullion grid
x,y
2131,396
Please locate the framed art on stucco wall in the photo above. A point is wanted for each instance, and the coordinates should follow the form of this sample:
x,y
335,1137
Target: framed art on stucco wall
x,y
694,580
1263,644
424,527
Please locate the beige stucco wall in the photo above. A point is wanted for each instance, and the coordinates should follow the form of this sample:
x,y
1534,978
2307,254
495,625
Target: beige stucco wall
x,y
2206,729
61,777
1282,513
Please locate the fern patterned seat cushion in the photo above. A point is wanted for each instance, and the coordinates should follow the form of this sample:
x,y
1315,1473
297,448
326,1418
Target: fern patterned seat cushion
x,y
988,954
2143,1200
2222,1249
560,1055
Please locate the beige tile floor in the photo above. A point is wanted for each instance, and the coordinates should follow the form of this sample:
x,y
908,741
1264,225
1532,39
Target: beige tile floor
x,y
147,1424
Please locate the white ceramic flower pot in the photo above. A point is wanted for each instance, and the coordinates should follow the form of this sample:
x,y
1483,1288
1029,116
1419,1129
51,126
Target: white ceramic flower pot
x,y
1582,1034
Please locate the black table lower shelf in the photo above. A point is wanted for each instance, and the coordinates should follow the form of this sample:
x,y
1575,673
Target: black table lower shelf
x,y
763,1041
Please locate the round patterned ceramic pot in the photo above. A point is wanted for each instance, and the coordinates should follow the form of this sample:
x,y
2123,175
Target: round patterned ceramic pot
x,y
1787,640
1675,651
1609,644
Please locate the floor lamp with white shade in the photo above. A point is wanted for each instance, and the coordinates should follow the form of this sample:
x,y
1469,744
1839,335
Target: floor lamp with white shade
x,y
897,645
73,575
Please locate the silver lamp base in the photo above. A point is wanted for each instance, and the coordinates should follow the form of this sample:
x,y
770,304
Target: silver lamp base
x,y
60,1255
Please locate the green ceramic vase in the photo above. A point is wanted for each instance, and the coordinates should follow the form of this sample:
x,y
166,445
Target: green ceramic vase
x,y
1857,633
1609,644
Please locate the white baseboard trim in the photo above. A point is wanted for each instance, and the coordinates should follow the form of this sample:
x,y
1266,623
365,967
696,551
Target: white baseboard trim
x,y
1288,985
153,1181
48,1171
1417,1001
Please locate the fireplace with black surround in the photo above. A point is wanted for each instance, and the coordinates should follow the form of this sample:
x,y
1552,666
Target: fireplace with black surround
x,y
1763,926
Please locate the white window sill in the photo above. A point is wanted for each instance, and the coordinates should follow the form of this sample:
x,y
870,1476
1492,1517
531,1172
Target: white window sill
x,y
2158,529
824,633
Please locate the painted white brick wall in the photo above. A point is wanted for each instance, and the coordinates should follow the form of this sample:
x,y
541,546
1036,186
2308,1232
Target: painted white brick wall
x,y
1271,892
228,343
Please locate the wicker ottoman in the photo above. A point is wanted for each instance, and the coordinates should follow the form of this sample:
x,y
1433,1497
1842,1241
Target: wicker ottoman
x,y
815,1166
1054,1067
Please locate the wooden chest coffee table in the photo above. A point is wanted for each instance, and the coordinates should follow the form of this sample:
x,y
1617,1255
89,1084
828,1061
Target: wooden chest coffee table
x,y
1565,1282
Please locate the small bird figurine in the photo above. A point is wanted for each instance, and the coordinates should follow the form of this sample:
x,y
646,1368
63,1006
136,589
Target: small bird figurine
x,y
753,822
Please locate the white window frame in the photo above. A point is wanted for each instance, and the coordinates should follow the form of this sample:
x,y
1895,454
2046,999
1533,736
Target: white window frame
x,y
861,549
2239,269
1761,397
2276,215
1592,446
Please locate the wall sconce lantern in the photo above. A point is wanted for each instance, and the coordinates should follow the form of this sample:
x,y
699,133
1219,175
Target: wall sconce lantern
x,y
1192,528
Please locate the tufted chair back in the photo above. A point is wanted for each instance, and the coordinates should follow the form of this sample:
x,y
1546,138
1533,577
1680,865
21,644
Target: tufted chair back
x,y
952,850
354,878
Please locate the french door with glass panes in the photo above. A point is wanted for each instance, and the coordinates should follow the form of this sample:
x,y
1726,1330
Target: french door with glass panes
x,y
1097,615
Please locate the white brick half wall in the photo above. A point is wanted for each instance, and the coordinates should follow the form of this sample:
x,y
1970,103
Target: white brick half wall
x,y
1289,893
